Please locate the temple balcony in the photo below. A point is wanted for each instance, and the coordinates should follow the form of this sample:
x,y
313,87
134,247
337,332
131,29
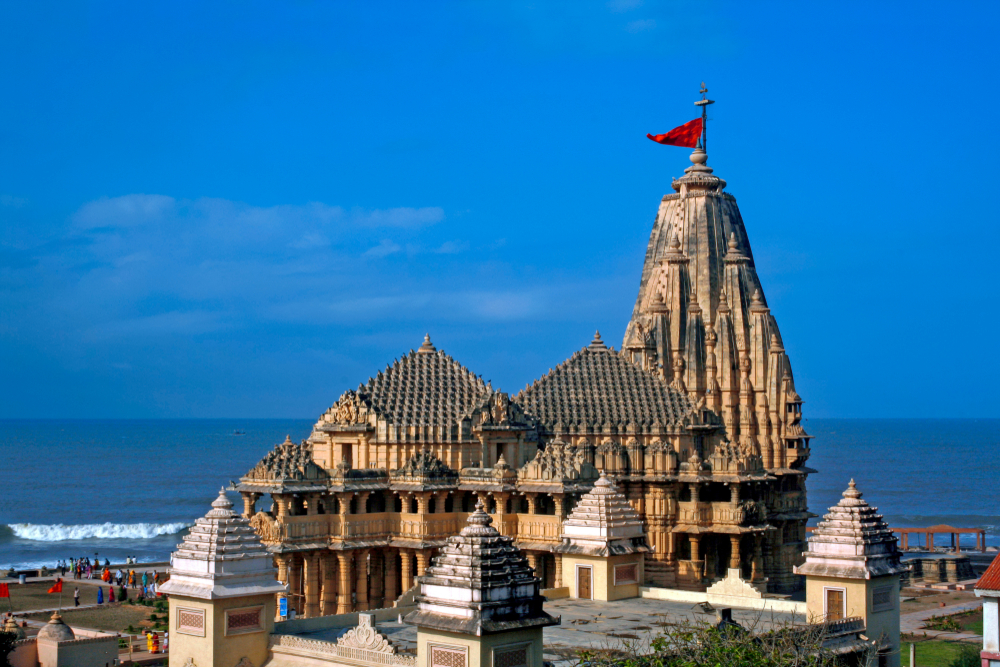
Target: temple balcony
x,y
364,526
427,526
538,528
694,514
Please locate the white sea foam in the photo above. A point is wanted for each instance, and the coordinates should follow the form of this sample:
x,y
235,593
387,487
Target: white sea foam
x,y
103,531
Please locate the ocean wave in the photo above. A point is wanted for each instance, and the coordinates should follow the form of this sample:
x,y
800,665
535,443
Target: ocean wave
x,y
102,531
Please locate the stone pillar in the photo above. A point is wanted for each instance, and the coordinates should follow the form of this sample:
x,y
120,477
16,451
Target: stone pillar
x,y
344,500
361,586
250,504
363,502
311,500
533,561
294,584
330,574
532,503
560,505
757,563
671,546
377,579
734,493
734,554
422,502
406,567
391,580
558,581
695,540
344,587
695,492
439,500
282,563
311,568
423,556
282,503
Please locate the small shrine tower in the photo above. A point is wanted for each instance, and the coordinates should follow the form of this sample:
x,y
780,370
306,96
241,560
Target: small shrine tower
x,y
222,593
479,604
852,569
603,542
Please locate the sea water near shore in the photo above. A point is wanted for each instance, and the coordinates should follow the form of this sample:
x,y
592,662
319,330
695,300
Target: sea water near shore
x,y
72,488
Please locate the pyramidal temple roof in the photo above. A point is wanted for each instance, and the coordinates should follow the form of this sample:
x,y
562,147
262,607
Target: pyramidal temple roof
x,y
852,542
221,557
479,583
603,524
598,387
424,388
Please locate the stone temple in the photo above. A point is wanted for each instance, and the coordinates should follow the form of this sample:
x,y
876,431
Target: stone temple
x,y
696,420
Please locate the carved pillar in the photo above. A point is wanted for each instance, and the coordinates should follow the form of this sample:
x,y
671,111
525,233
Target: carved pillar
x,y
558,581
695,540
501,499
406,569
533,561
310,564
391,579
250,504
734,553
423,556
671,547
439,499
294,584
282,503
362,504
377,579
344,605
734,493
532,503
330,576
361,584
422,502
282,562
560,503
695,492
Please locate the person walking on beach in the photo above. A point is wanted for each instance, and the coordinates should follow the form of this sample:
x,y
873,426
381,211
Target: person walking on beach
x,y
100,595
111,594
76,596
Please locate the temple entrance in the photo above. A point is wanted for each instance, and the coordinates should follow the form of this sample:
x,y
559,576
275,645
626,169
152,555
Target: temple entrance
x,y
583,578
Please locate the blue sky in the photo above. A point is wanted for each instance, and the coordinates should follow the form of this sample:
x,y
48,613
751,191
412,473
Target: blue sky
x,y
242,209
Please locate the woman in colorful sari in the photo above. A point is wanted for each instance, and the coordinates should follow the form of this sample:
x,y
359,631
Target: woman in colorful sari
x,y
111,594
100,595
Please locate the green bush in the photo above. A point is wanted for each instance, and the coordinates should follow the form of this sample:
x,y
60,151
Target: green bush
x,y
968,656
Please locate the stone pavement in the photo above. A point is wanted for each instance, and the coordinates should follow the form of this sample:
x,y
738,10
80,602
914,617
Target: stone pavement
x,y
625,624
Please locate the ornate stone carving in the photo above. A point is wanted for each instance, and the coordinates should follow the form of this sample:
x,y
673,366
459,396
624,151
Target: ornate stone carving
x,y
558,462
424,465
287,461
365,636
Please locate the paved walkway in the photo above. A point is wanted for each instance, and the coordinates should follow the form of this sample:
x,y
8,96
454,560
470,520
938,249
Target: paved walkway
x,y
913,622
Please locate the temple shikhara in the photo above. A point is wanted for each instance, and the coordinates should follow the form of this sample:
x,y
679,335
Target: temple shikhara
x,y
695,421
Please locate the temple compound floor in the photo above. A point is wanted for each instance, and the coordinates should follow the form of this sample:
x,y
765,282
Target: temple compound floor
x,y
588,624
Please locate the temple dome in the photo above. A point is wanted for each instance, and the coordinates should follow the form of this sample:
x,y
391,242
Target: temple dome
x,y
479,583
221,557
598,387
55,630
11,626
852,541
603,524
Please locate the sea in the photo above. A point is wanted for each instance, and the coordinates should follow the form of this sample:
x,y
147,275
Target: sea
x,y
117,488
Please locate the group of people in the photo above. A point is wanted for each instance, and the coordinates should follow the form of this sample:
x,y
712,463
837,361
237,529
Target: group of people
x,y
145,584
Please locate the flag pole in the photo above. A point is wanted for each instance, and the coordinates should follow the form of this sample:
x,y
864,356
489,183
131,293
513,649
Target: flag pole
x,y
703,103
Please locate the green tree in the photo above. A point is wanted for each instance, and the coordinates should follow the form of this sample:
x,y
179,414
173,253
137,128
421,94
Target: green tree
x,y
968,656
7,640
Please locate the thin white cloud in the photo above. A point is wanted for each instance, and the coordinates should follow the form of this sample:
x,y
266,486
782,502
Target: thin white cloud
x,y
383,249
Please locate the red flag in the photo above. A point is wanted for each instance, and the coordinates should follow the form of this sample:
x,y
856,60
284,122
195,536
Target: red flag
x,y
56,587
4,591
685,135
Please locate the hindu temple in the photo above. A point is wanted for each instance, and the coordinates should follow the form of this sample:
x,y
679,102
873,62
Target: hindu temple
x,y
695,420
